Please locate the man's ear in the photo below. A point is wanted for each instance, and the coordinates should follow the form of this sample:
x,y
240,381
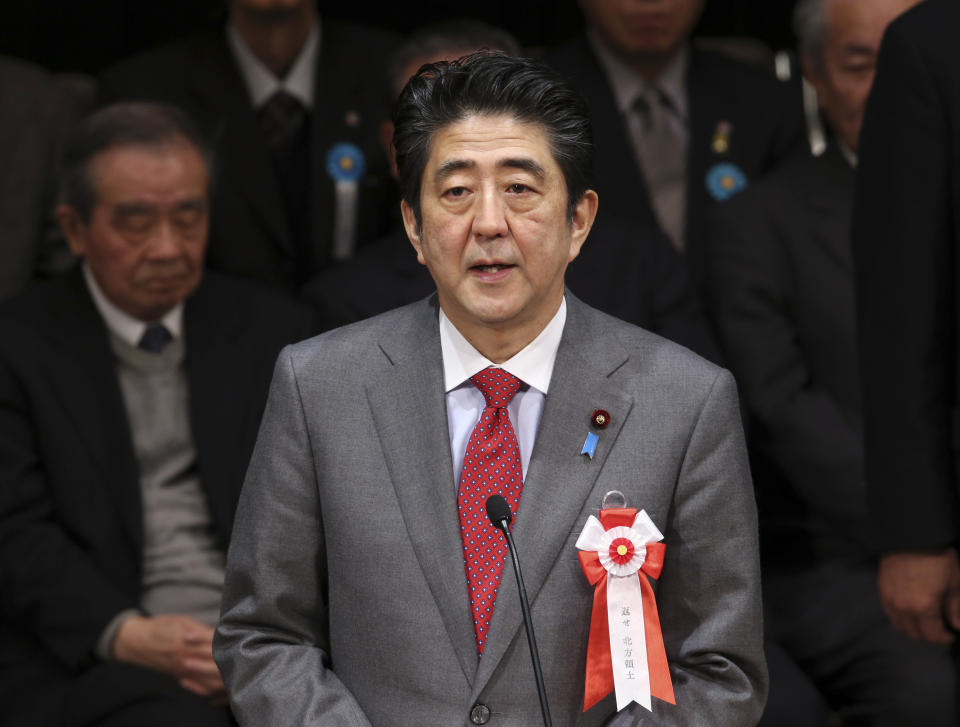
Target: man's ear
x,y
412,228
73,228
386,141
583,216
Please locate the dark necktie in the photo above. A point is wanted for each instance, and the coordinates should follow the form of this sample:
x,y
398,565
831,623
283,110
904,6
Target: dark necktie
x,y
155,338
491,465
661,152
281,118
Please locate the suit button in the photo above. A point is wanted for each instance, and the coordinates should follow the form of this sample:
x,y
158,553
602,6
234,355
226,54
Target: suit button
x,y
480,714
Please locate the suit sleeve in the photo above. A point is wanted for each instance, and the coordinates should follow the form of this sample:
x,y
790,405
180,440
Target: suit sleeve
x,y
48,585
272,643
709,593
904,245
800,427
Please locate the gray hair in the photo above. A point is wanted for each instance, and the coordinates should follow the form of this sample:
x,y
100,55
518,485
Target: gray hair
x,y
132,123
810,27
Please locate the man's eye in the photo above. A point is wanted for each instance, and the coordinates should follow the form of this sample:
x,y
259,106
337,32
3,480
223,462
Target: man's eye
x,y
456,192
136,221
188,218
518,188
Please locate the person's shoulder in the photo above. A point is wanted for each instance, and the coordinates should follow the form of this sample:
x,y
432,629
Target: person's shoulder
x,y
249,301
16,73
937,17
649,354
42,298
396,330
176,61
732,72
39,315
789,182
925,31
363,39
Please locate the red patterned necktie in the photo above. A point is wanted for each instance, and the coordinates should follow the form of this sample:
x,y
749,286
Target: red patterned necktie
x,y
491,465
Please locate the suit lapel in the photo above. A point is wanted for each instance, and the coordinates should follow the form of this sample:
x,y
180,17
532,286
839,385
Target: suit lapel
x,y
90,393
559,478
409,410
702,95
217,369
830,201
243,157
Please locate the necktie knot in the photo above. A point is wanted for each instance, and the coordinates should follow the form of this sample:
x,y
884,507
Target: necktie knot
x,y
155,338
497,386
653,105
281,118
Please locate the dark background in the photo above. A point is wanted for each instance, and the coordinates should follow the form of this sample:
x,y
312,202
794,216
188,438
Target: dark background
x,y
86,36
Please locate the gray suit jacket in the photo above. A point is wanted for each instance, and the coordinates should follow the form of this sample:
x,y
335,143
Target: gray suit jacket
x,y
346,601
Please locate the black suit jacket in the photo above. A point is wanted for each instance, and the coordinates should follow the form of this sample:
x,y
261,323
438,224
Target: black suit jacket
x,y
624,270
765,119
907,251
34,120
782,298
70,508
250,234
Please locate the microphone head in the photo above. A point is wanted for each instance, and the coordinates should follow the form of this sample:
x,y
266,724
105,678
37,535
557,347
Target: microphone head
x,y
498,510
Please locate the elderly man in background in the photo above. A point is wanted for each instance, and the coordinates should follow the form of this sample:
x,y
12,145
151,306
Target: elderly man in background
x,y
783,299
131,390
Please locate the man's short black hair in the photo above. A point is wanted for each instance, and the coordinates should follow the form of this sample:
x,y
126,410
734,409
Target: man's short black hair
x,y
142,124
489,83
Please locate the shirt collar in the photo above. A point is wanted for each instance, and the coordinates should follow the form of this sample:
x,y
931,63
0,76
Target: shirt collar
x,y
533,364
628,84
260,80
124,325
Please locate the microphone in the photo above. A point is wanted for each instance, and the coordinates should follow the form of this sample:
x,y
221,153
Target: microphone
x,y
498,510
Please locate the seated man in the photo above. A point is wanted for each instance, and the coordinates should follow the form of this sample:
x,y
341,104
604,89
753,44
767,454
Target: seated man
x,y
363,580
783,295
130,396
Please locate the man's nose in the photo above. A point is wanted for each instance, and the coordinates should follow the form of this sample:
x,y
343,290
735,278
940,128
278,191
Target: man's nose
x,y
166,242
490,220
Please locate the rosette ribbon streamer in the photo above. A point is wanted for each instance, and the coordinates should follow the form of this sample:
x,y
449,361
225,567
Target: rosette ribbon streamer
x,y
619,553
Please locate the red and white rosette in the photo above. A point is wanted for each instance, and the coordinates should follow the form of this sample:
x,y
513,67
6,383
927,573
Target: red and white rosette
x,y
618,554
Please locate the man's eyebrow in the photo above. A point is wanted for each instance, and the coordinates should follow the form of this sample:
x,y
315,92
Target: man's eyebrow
x,y
452,166
192,203
133,208
525,164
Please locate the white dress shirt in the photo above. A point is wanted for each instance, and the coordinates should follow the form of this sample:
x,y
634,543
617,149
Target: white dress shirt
x,y
122,324
533,365
262,84
628,85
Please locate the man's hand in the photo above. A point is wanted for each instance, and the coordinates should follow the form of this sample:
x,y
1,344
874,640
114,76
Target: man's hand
x,y
920,593
175,644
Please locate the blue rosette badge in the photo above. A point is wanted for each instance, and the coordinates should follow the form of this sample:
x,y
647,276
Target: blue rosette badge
x,y
345,162
725,180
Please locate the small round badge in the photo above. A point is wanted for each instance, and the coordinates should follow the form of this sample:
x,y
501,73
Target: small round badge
x,y
345,162
725,180
600,418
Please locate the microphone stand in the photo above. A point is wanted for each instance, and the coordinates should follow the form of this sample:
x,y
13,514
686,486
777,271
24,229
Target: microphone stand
x,y
504,525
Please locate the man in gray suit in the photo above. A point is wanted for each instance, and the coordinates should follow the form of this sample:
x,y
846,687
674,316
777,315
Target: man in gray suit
x,y
362,584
